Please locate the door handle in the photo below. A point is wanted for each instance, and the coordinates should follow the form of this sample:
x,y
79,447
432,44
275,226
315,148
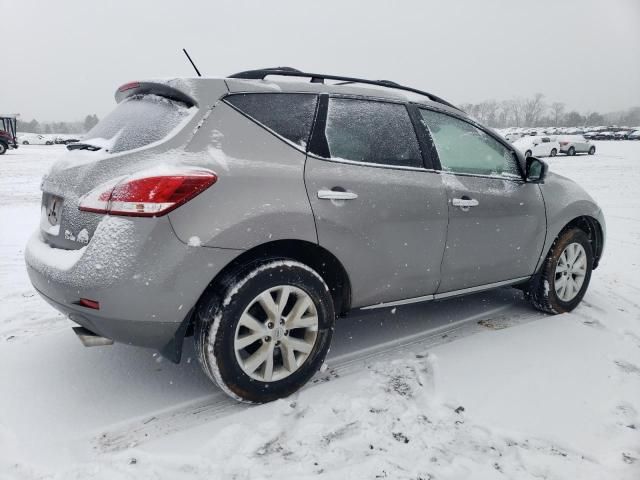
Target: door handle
x,y
464,203
336,195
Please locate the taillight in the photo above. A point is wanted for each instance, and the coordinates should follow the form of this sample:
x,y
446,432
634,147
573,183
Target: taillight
x,y
147,196
129,86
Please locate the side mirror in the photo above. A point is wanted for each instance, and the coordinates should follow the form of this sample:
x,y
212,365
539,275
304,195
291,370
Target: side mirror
x,y
536,170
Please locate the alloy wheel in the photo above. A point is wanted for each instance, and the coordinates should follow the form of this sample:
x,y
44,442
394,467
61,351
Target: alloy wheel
x,y
276,333
570,273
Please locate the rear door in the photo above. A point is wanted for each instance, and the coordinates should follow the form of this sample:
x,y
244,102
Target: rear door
x,y
497,222
377,208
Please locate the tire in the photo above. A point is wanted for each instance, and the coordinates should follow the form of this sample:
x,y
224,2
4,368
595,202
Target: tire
x,y
592,150
571,152
48,143
554,152
3,148
220,325
25,142
527,154
545,290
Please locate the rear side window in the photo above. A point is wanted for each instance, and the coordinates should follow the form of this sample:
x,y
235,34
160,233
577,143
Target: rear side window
x,y
371,131
287,114
136,122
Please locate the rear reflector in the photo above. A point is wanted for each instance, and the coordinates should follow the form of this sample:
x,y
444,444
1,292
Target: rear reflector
x,y
147,196
85,302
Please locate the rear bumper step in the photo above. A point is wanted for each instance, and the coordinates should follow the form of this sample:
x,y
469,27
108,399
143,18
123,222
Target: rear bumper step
x,y
90,339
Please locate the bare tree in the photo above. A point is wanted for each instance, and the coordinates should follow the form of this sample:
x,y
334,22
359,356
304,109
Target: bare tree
x,y
515,108
533,109
557,109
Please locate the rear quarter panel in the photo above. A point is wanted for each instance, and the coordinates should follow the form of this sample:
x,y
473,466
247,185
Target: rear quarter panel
x,y
259,195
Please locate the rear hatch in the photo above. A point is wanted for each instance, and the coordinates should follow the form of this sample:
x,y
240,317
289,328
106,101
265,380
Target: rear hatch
x,y
148,114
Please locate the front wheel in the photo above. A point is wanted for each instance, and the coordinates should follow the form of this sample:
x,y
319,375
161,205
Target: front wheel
x,y
25,142
564,277
48,143
266,330
571,152
554,152
592,150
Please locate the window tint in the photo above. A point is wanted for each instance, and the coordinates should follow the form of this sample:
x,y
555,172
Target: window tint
x,y
463,148
369,131
287,114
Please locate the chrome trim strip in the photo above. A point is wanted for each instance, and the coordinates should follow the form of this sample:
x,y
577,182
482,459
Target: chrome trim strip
x,y
424,298
480,288
453,293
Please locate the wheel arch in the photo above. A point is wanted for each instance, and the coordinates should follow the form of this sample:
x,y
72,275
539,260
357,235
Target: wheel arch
x,y
311,254
589,225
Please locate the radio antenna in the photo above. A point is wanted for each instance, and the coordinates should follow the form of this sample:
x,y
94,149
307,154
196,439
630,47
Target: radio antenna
x,y
193,64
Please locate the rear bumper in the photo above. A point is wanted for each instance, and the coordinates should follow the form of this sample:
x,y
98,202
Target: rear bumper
x,y
140,333
145,279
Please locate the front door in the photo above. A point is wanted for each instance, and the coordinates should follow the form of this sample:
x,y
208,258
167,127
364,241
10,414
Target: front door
x,y
497,222
377,209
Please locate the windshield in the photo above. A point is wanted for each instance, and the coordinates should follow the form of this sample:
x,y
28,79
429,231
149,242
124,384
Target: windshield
x,y
136,122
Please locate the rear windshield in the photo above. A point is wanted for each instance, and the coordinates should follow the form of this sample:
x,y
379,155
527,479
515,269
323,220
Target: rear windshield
x,y
136,122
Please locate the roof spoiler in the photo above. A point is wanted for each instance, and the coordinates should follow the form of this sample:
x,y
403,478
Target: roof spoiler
x,y
321,77
161,89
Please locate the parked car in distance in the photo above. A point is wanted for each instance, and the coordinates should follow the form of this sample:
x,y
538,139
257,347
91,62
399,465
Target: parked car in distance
x,y
66,140
253,225
604,135
635,135
34,139
538,146
572,144
513,136
621,135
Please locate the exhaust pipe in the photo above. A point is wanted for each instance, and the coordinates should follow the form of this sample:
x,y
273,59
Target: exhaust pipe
x,y
90,339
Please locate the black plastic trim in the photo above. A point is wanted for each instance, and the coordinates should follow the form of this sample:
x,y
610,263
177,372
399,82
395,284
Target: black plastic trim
x,y
318,144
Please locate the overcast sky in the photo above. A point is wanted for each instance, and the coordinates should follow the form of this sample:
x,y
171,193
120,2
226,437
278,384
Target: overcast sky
x,y
64,59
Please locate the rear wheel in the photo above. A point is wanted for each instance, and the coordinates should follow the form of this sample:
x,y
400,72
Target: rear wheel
x,y
266,331
571,152
554,152
3,148
25,142
565,274
48,142
592,150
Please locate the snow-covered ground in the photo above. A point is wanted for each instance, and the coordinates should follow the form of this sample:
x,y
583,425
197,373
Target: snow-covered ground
x,y
479,387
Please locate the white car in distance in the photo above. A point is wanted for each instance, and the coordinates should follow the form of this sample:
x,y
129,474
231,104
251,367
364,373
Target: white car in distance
x,y
538,146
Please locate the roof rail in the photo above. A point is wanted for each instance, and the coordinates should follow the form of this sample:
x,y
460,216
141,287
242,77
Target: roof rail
x,y
320,78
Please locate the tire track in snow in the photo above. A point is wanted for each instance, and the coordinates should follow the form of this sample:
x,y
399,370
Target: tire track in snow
x,y
162,423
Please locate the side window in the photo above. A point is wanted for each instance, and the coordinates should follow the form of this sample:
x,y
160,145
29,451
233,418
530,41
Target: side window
x,y
463,148
287,114
371,131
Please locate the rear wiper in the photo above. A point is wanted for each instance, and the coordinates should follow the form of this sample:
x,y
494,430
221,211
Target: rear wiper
x,y
83,146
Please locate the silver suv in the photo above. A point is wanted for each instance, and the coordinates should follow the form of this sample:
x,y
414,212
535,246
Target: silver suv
x,y
253,211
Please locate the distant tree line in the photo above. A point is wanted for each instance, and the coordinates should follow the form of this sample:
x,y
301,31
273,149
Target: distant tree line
x,y
34,126
536,112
